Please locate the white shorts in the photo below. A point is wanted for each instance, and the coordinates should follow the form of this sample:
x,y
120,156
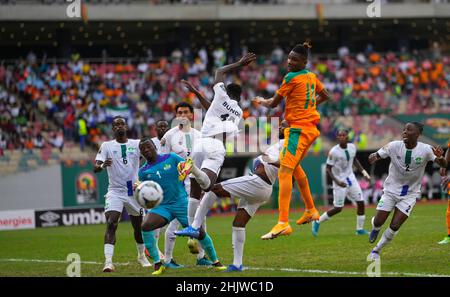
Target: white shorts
x,y
251,191
352,192
404,204
208,153
115,202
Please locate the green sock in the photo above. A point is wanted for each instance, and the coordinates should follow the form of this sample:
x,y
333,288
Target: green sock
x,y
208,246
150,245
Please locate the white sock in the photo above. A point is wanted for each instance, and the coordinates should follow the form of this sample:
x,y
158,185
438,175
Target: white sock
x,y
201,177
373,226
324,217
387,237
360,222
201,251
192,208
109,252
156,235
205,205
141,249
170,237
238,238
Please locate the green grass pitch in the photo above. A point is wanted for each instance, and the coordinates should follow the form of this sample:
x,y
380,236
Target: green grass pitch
x,y
336,252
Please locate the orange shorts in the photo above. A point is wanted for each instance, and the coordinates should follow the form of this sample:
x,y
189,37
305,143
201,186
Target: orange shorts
x,y
296,144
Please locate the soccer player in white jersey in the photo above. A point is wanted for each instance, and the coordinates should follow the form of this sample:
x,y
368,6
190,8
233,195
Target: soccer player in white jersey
x,y
251,190
121,159
222,119
402,186
162,127
340,161
180,140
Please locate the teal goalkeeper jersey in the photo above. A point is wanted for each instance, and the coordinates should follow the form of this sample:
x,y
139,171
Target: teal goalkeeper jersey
x,y
164,172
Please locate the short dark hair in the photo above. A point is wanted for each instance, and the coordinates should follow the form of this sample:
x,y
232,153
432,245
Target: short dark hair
x,y
184,104
234,91
159,121
345,130
303,49
145,139
419,126
119,117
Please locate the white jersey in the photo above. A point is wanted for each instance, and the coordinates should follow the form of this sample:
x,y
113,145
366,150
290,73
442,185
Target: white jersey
x,y
224,114
406,168
157,143
123,171
274,154
179,142
341,161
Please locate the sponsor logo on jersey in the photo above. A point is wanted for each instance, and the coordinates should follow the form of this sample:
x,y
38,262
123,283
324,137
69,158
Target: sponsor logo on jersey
x,y
131,149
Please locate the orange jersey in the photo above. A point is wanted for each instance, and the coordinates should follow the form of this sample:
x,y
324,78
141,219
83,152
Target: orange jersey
x,y
299,89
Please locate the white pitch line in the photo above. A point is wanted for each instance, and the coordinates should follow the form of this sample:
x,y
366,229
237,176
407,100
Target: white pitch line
x,y
58,261
313,271
346,272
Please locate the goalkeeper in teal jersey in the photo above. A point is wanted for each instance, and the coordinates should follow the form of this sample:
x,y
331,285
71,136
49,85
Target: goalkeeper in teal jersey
x,y
163,170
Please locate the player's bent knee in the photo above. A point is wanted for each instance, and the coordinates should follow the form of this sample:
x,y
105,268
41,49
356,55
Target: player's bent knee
x,y
146,227
394,226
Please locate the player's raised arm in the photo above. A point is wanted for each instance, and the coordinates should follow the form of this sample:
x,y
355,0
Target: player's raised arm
x,y
271,102
203,101
374,158
323,96
443,170
244,61
361,169
439,153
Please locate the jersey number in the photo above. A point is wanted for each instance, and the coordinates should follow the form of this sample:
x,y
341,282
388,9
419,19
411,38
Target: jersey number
x,y
158,174
124,161
224,117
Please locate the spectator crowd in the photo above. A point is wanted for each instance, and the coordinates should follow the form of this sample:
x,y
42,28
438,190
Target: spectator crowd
x,y
45,104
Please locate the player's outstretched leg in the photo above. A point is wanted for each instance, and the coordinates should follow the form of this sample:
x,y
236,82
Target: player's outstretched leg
x,y
169,245
377,221
388,235
205,205
151,222
238,238
323,218
112,221
284,199
311,213
360,219
208,246
136,222
446,240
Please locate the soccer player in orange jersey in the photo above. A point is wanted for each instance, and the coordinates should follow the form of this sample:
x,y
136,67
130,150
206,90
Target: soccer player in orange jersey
x,y
446,186
299,88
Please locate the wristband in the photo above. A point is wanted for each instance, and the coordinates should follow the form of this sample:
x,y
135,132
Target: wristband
x,y
364,172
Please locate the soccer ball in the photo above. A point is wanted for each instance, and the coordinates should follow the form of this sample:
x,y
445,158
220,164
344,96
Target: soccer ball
x,y
148,194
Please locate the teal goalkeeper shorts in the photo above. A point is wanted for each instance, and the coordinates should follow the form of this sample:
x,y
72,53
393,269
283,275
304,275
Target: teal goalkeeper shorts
x,y
173,211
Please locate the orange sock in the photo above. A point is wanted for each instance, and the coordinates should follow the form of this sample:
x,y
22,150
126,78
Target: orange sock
x,y
448,218
303,185
284,195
